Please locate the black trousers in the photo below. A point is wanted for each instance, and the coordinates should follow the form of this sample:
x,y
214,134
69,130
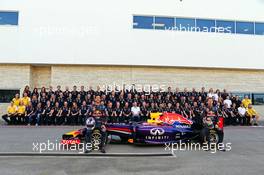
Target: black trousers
x,y
88,136
9,119
242,120
61,120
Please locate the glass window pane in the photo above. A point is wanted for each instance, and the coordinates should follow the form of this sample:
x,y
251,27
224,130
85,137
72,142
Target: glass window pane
x,y
245,27
258,99
8,18
185,24
225,26
259,28
143,22
241,95
7,95
164,23
204,25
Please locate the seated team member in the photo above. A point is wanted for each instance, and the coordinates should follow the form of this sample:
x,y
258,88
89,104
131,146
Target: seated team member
x,y
246,102
38,115
242,115
235,115
83,112
55,113
60,99
64,114
227,114
135,111
16,100
50,93
186,111
74,114
126,114
252,116
21,109
25,99
34,101
79,100
70,100
43,100
30,112
47,114
117,112
144,114
10,117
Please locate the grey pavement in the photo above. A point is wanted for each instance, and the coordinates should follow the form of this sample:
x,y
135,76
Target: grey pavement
x,y
245,157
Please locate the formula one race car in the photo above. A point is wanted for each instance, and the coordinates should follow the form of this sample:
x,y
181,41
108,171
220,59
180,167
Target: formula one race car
x,y
160,129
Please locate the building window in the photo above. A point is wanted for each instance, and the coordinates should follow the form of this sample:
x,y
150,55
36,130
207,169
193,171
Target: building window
x,y
205,25
245,27
241,95
185,24
8,18
258,98
163,23
7,95
225,26
143,22
259,28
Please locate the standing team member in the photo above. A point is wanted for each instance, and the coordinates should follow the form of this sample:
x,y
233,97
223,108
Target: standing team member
x,y
126,113
117,112
83,112
10,117
110,113
64,114
135,111
74,114
242,115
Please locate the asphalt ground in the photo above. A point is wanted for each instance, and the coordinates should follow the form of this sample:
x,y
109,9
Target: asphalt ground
x,y
245,157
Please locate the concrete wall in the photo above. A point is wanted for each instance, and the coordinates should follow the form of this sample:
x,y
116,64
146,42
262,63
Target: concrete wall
x,y
14,76
17,76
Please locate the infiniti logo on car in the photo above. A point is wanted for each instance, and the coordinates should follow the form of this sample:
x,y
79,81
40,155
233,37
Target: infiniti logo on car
x,y
157,131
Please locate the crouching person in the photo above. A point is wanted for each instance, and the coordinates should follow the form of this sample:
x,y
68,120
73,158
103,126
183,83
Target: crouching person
x,y
252,116
10,117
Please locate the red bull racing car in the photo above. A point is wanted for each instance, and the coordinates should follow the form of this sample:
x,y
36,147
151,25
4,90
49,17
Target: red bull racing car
x,y
160,129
